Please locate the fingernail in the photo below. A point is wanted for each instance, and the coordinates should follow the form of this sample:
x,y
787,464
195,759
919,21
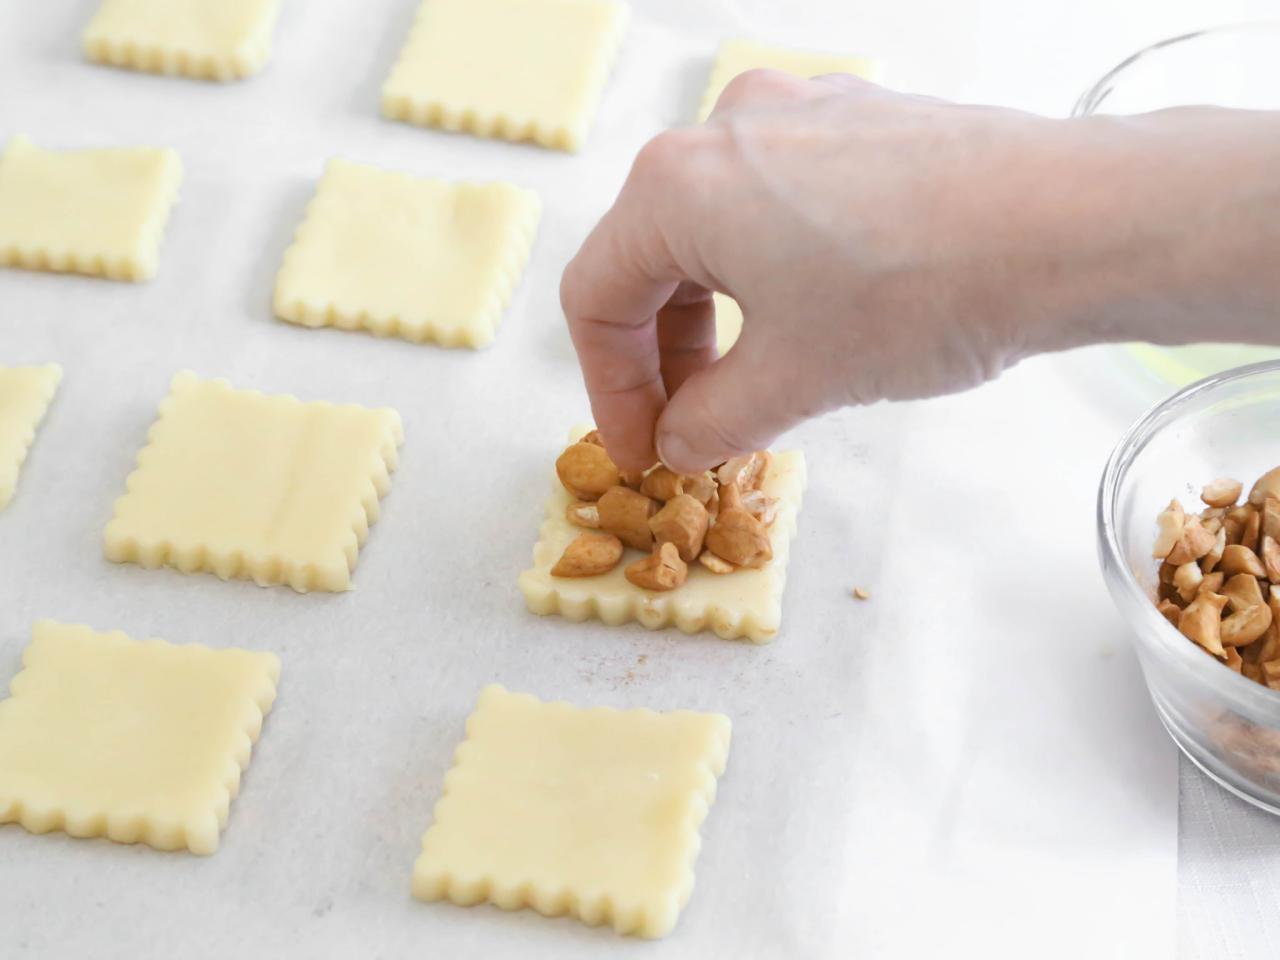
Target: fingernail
x,y
674,451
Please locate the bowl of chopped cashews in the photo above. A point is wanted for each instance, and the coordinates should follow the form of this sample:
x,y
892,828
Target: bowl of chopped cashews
x,y
1189,541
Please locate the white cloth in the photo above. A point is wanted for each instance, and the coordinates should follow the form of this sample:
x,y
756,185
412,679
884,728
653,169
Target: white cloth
x,y
965,765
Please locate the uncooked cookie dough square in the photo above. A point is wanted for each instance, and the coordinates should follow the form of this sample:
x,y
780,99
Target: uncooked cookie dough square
x,y
25,395
135,740
511,69
746,603
100,212
414,257
739,56
204,39
588,812
265,488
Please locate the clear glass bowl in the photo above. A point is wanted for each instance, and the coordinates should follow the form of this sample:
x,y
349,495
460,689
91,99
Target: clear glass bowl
x,y
1224,425
1234,66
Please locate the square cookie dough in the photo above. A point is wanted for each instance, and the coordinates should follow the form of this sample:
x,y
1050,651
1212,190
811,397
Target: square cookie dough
x,y
511,69
739,56
25,395
414,257
100,212
204,39
588,812
139,741
746,603
265,488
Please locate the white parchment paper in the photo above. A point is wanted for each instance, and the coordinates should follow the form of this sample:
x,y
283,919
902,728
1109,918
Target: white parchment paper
x,y
966,763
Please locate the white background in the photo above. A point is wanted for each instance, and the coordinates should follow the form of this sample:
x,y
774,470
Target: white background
x,y
968,763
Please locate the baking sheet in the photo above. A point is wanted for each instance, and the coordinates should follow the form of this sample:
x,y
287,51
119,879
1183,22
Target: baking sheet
x,y
966,761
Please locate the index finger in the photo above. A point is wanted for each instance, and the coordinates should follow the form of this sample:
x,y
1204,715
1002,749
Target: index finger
x,y
611,293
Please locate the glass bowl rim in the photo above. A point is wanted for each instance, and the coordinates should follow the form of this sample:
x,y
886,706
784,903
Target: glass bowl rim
x,y
1092,98
1134,603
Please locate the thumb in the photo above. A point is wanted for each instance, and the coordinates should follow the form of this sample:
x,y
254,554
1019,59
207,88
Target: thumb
x,y
736,405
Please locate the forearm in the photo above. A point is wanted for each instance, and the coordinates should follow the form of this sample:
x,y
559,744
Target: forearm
x,y
1166,228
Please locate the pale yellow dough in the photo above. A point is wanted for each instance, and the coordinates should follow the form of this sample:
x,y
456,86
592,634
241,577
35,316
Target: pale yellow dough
x,y
739,56
728,322
415,257
25,395
100,212
205,39
240,484
138,741
743,604
512,69
588,812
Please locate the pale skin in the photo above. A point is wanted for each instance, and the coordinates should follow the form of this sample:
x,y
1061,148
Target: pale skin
x,y
885,247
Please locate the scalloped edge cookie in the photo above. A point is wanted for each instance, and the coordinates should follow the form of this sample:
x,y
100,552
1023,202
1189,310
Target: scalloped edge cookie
x,y
743,604
563,126
39,703
456,865
123,35
30,175
345,191
25,395
738,55
331,571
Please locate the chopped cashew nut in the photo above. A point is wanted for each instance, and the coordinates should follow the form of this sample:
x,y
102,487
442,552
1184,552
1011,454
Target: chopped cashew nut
x,y
1271,558
586,471
1223,492
625,514
593,437
682,521
1271,518
715,564
861,593
661,570
1238,558
1271,674
746,472
763,508
631,479
1252,530
1242,592
1212,582
662,484
1233,659
701,487
589,555
1268,485
1245,626
1194,543
1170,610
1211,559
583,514
738,536
1170,523
1201,621
1187,579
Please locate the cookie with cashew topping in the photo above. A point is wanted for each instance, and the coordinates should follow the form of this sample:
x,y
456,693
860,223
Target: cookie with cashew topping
x,y
711,592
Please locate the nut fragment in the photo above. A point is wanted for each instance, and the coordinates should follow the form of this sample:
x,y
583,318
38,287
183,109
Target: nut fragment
x,y
583,514
1271,518
625,514
1245,626
1201,621
1252,531
715,564
662,484
700,486
586,470
1271,558
738,536
683,521
1194,543
1223,492
1212,582
1187,580
1170,523
746,472
861,593
661,570
1271,674
589,555
1233,659
592,437
1242,592
1210,560
631,478
1268,485
1237,558
763,508
1170,611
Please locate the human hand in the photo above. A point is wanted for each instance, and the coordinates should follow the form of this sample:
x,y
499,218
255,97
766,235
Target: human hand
x,y
881,246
